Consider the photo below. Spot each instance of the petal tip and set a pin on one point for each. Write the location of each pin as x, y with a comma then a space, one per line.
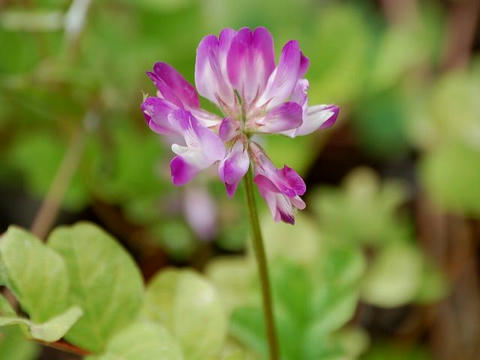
332, 119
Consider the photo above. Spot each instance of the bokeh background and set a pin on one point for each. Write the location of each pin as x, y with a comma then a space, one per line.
396, 180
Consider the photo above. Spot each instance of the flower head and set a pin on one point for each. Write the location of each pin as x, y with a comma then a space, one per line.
238, 73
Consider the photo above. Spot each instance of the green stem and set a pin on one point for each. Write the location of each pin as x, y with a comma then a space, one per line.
262, 266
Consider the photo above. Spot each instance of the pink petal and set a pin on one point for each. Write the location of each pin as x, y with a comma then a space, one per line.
235, 165
299, 94
210, 67
228, 129
291, 183
318, 117
285, 181
200, 211
156, 112
202, 146
285, 76
176, 82
182, 172
281, 206
164, 91
304, 64
250, 61
284, 117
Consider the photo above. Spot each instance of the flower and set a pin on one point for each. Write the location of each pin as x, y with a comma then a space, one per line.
237, 72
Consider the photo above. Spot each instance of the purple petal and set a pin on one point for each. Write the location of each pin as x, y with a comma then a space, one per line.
331, 120
304, 64
299, 94
318, 117
281, 206
164, 91
228, 129
267, 190
284, 117
206, 118
285, 181
156, 112
292, 184
250, 61
210, 67
200, 211
203, 147
298, 202
283, 79
183, 90
286, 217
182, 172
235, 165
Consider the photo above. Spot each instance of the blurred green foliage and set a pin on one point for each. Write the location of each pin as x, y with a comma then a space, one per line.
356, 244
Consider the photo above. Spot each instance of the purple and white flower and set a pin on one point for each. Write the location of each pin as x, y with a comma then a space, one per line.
237, 72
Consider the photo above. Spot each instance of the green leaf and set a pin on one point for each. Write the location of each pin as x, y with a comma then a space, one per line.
451, 174
454, 106
50, 331
394, 277
332, 308
339, 73
382, 351
232, 350
234, 278
382, 130
248, 326
278, 240
34, 273
190, 308
292, 290
105, 283
354, 341
13, 345
342, 266
433, 285
141, 341
364, 211
336, 291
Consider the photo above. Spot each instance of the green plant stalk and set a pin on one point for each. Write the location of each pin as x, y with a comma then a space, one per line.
261, 258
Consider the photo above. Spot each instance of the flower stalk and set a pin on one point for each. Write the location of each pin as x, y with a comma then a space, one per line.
261, 258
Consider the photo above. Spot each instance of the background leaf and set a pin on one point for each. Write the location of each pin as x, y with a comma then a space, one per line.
190, 308
51, 330
141, 341
13, 345
395, 276
105, 283
34, 273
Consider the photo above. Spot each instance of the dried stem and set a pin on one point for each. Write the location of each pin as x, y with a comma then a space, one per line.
65, 347
51, 204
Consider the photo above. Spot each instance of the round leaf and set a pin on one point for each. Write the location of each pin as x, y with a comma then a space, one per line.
394, 277
141, 341
34, 273
105, 283
190, 308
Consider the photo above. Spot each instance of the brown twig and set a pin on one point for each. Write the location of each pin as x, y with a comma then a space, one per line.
65, 347
461, 33
51, 204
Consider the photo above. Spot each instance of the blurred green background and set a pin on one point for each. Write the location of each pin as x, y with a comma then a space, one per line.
393, 188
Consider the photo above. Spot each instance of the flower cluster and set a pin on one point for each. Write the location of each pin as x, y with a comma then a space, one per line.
237, 72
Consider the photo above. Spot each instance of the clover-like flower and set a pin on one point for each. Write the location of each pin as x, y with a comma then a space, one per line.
237, 72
